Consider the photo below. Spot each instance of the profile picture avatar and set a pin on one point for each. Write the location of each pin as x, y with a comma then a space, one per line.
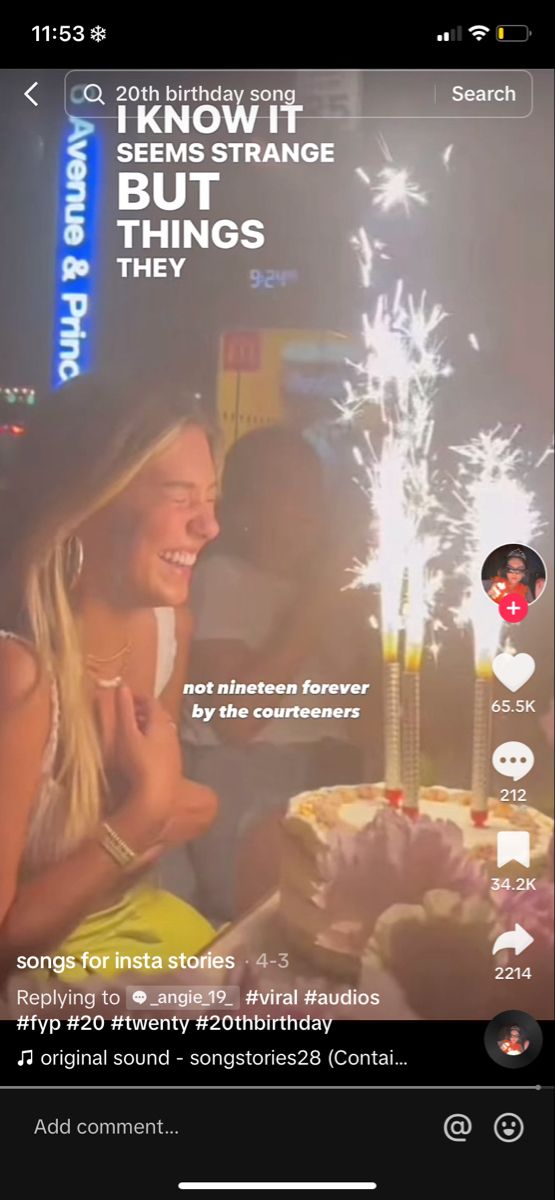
514, 570
513, 1041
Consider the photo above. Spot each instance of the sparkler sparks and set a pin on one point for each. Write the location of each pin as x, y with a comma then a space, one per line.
548, 450
367, 249
405, 504
423, 586
400, 372
496, 508
397, 190
384, 148
403, 355
403, 500
386, 563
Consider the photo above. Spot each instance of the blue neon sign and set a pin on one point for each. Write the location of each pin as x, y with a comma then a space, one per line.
76, 264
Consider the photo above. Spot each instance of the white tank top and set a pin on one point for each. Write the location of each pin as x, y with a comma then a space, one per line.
165, 659
166, 649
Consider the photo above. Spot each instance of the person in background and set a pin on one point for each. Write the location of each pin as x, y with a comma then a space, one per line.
267, 606
112, 500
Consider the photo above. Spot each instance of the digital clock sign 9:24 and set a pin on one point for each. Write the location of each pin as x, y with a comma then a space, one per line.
61, 33
269, 280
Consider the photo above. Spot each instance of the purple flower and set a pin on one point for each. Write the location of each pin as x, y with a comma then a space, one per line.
440, 953
395, 860
533, 910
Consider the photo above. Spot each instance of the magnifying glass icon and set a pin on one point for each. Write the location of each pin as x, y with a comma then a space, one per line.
97, 90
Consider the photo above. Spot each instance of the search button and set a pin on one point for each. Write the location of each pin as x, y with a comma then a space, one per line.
89, 92
97, 97
483, 94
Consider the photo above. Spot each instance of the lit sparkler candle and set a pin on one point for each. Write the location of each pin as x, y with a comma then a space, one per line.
399, 374
392, 731
487, 628
384, 570
411, 737
423, 585
367, 574
497, 508
414, 639
389, 502
481, 746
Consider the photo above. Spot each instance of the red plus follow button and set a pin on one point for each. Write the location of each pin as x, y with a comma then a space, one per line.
513, 608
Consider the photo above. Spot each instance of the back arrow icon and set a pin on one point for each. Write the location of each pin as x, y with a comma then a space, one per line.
516, 939
28, 95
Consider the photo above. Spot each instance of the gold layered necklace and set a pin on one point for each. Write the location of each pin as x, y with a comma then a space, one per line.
96, 666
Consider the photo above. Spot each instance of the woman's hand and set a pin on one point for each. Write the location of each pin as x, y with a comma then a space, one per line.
142, 751
160, 808
194, 810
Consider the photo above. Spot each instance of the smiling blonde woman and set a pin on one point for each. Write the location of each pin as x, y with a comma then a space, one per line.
112, 500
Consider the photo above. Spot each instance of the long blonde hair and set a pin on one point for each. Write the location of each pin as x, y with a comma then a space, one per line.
86, 444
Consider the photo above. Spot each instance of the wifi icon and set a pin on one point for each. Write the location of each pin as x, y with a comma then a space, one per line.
478, 31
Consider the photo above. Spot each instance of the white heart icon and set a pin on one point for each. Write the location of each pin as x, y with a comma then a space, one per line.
513, 670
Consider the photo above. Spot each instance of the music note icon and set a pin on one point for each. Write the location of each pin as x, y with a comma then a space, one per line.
26, 1058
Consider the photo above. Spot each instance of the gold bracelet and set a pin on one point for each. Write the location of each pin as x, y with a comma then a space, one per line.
115, 845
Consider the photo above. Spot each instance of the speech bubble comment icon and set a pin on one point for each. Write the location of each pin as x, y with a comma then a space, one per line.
513, 759
139, 997
513, 846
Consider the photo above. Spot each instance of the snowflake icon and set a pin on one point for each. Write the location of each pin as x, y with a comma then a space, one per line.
98, 33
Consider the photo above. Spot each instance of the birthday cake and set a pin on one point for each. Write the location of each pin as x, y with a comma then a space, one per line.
348, 857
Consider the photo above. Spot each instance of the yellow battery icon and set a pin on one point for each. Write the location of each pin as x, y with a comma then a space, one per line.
512, 33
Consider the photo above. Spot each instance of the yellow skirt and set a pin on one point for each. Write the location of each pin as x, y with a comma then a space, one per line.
147, 923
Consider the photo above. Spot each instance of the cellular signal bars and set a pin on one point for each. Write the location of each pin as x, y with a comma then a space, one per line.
452, 35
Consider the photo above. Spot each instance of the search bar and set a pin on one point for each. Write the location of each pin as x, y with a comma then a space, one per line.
381, 95
278, 1187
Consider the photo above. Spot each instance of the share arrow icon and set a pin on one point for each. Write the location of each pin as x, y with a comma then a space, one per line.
516, 939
